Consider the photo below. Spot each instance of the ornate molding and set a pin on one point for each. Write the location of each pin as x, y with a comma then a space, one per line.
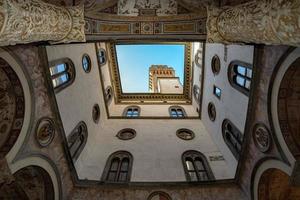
266, 21
121, 97
33, 20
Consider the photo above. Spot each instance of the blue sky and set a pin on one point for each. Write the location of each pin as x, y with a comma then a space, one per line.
134, 62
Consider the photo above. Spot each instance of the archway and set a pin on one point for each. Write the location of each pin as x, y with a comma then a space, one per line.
289, 107
31, 182
12, 107
274, 185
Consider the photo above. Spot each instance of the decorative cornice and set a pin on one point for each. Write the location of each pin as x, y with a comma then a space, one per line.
185, 98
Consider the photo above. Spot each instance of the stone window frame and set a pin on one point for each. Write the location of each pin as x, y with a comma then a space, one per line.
89, 63
102, 54
118, 155
197, 96
134, 109
164, 194
108, 93
96, 113
176, 108
214, 92
232, 137
79, 133
197, 57
69, 71
216, 64
122, 137
233, 73
192, 156
192, 134
212, 112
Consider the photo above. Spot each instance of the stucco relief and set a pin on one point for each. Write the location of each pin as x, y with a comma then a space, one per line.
140, 7
33, 20
267, 21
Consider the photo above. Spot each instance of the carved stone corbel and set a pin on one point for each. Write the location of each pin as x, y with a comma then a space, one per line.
34, 20
261, 21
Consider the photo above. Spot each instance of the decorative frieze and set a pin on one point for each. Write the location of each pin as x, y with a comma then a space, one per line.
260, 21
33, 20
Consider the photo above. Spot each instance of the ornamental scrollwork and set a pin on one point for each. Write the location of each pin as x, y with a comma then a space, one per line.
265, 21
33, 20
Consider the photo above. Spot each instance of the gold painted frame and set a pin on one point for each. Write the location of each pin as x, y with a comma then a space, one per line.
120, 97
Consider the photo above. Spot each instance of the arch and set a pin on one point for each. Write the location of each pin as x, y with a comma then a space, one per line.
77, 140
118, 167
196, 166
261, 178
24, 79
281, 69
46, 165
159, 195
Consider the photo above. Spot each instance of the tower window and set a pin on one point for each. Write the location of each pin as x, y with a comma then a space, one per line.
196, 166
62, 73
132, 112
177, 112
102, 57
118, 167
77, 140
232, 137
240, 76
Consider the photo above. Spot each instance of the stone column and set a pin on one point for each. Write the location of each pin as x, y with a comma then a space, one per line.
33, 20
261, 21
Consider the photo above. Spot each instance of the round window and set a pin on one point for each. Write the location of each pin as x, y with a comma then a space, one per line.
185, 134
126, 134
45, 131
96, 113
215, 64
86, 63
211, 111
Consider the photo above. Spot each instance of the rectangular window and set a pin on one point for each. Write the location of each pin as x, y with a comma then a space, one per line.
217, 92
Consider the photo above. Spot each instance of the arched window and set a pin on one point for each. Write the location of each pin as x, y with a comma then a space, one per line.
132, 111
177, 112
196, 166
196, 91
108, 93
232, 137
159, 195
240, 76
62, 73
77, 140
118, 167
102, 56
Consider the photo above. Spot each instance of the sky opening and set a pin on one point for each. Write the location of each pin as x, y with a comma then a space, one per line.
134, 61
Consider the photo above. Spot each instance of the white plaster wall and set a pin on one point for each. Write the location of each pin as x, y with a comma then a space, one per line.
197, 71
233, 104
156, 149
